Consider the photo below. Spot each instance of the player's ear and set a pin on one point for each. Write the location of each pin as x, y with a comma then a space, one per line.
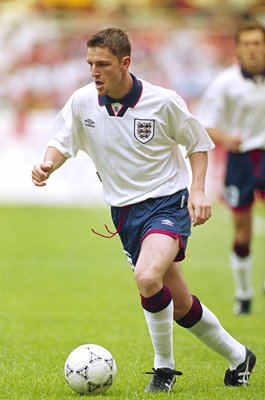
126, 61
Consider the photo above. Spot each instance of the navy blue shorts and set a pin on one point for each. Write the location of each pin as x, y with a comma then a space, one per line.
167, 215
245, 175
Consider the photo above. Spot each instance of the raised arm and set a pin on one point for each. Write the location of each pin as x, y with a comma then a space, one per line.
198, 205
53, 159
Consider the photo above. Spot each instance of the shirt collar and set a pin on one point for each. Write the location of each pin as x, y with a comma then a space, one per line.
129, 100
248, 75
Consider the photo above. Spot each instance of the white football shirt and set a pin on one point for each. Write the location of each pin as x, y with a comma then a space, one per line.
134, 143
235, 104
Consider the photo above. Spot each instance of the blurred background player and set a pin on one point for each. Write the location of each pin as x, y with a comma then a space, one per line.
233, 111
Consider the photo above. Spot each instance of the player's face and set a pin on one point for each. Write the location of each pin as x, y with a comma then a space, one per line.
251, 50
108, 72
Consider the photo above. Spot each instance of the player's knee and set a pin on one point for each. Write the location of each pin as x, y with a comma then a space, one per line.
148, 283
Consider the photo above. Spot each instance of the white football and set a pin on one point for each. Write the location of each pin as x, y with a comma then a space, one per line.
90, 369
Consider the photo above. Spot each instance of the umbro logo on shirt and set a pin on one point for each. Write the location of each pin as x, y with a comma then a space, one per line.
90, 123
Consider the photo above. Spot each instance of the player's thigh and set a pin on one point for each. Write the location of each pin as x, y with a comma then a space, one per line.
156, 256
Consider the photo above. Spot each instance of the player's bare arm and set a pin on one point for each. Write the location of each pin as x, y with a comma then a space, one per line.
198, 205
53, 160
230, 142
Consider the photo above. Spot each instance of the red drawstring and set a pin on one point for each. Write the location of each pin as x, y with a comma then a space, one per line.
105, 236
112, 234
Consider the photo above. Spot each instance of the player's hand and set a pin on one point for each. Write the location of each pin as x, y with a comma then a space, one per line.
199, 208
41, 173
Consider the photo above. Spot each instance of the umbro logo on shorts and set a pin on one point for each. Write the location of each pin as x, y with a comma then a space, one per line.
167, 222
90, 123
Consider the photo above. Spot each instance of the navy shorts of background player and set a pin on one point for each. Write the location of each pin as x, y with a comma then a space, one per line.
245, 175
167, 215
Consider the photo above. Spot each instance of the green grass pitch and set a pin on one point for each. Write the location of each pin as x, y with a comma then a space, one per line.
62, 286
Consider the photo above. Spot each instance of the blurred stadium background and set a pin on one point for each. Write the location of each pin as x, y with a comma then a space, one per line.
179, 44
